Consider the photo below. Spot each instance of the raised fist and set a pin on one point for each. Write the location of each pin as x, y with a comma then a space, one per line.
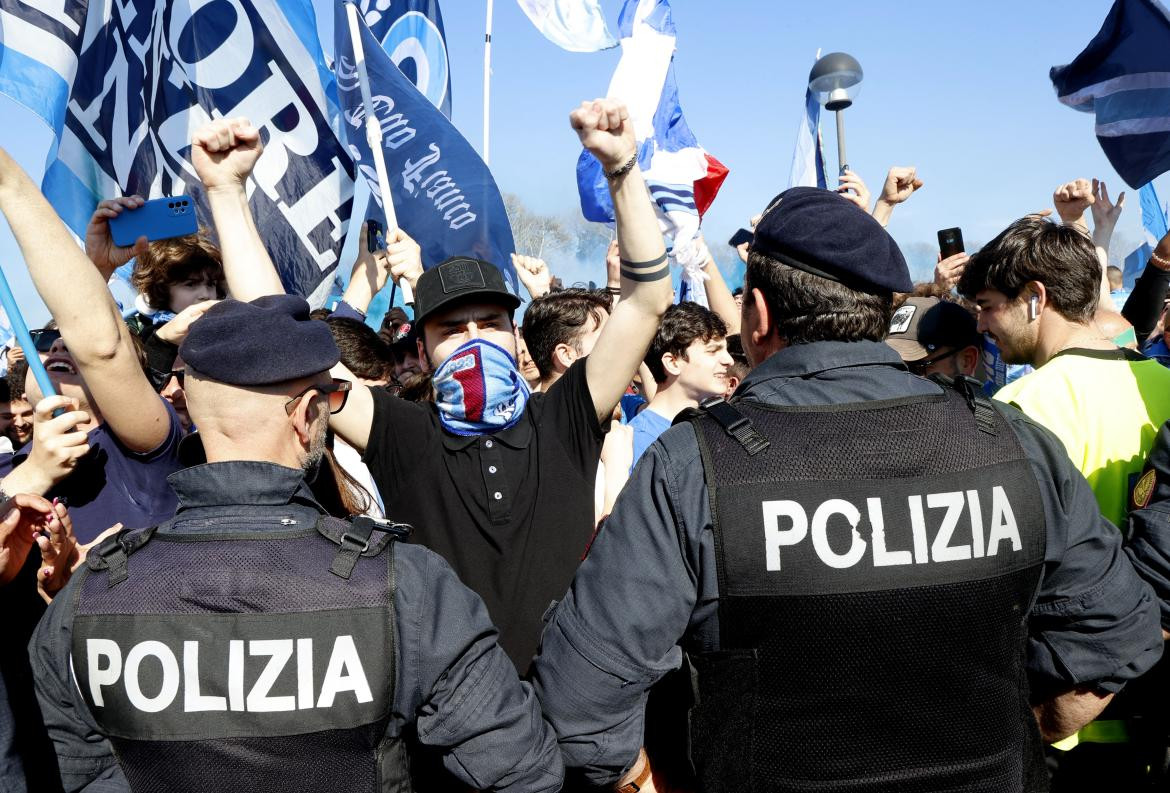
1072, 199
901, 182
605, 129
533, 273
225, 151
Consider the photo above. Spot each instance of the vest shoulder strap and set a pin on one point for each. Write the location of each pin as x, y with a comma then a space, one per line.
734, 423
972, 391
356, 539
113, 553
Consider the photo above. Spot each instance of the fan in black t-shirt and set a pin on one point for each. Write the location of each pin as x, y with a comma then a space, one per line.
498, 481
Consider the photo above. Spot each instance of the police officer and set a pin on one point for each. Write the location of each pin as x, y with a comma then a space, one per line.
253, 643
879, 582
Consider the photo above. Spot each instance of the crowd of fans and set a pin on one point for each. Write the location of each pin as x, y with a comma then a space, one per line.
580, 390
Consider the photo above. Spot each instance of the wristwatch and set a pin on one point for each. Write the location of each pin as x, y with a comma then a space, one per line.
639, 782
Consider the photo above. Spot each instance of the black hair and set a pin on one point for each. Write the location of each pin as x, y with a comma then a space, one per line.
1035, 249
682, 325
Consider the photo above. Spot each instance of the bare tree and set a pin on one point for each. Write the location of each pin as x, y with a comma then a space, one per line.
535, 234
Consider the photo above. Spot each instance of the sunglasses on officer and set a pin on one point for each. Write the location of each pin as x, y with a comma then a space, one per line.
336, 392
44, 338
919, 367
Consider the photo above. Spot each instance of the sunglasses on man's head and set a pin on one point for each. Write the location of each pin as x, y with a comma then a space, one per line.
337, 393
43, 338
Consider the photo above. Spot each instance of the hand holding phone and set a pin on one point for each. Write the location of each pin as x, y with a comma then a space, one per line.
950, 242
157, 219
740, 237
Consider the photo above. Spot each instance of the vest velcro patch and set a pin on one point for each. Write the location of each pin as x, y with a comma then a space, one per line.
853, 536
205, 676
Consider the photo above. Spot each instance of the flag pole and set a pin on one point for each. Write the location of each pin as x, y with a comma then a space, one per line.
24, 339
487, 86
374, 136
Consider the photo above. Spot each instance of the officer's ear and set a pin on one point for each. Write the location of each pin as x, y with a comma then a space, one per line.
304, 413
969, 360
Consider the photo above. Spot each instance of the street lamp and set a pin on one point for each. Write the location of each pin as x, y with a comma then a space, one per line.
835, 79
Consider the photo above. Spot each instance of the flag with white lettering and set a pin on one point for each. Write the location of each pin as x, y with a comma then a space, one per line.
444, 195
683, 177
122, 86
411, 31
1123, 77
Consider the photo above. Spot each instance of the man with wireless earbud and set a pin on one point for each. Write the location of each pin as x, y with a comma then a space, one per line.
1037, 287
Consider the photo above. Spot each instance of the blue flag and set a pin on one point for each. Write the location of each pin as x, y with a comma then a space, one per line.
123, 85
1123, 77
1154, 225
444, 195
808, 157
411, 31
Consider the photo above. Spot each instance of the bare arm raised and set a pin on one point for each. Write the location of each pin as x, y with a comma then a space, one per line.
90, 322
605, 129
224, 153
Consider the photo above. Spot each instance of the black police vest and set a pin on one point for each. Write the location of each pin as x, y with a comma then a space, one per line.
876, 566
249, 661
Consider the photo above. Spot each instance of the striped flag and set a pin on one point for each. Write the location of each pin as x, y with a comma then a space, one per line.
1123, 77
683, 177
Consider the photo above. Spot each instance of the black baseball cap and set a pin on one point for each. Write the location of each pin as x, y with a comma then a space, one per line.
460, 279
923, 325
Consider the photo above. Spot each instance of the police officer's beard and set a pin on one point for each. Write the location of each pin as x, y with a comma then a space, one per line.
316, 449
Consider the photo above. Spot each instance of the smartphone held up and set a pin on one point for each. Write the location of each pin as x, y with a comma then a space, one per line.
157, 219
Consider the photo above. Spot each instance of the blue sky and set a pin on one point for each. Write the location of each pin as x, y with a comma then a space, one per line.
959, 90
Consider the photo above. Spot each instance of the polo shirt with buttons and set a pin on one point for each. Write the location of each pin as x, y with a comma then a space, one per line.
512, 512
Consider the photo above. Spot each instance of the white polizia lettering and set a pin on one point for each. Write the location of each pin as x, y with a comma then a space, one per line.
271, 690
935, 524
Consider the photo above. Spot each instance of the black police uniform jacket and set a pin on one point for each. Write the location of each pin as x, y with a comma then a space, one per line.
259, 645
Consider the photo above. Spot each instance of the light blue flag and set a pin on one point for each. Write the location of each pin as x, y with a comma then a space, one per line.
574, 25
808, 156
411, 31
121, 86
1154, 226
444, 196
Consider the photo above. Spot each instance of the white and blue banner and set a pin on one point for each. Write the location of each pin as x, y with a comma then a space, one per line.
1154, 226
682, 176
808, 156
411, 32
574, 25
444, 195
123, 85
1123, 77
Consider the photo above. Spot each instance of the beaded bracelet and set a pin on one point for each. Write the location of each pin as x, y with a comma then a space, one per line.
625, 169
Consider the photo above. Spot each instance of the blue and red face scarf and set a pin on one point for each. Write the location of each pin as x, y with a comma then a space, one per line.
478, 389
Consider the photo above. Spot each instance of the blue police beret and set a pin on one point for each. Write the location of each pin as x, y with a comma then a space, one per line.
270, 340
825, 234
